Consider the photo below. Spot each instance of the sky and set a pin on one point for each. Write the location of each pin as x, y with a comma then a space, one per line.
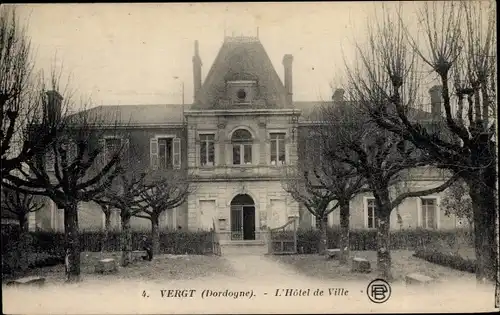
120, 54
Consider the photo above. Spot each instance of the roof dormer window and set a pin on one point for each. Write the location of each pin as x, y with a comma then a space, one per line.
242, 92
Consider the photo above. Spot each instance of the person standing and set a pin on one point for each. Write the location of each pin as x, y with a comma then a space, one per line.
148, 247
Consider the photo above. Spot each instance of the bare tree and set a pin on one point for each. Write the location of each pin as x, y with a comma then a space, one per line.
106, 208
75, 168
384, 161
126, 197
459, 47
316, 200
321, 181
20, 205
160, 195
21, 96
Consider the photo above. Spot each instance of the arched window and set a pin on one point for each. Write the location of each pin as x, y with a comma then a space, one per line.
242, 147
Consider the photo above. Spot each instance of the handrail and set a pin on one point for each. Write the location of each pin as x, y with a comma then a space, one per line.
282, 242
290, 221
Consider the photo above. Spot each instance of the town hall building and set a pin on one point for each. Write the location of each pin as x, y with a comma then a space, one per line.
233, 142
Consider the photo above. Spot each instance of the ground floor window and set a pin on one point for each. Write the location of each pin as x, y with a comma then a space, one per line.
429, 213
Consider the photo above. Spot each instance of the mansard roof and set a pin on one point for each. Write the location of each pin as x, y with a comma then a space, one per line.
242, 58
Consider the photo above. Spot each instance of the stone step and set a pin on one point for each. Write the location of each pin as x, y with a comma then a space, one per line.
243, 243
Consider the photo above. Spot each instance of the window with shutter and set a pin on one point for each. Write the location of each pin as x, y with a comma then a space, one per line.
73, 151
125, 151
49, 160
177, 153
370, 211
153, 153
102, 153
428, 215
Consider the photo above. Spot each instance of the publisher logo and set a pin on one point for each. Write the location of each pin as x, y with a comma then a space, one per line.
378, 291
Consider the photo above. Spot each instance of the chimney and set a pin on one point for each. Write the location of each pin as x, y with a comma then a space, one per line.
436, 99
52, 108
287, 64
338, 95
196, 71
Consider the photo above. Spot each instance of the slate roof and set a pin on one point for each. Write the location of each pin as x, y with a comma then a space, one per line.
164, 114
242, 58
140, 114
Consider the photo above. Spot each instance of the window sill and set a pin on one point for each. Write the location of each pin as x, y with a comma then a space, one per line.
277, 165
207, 167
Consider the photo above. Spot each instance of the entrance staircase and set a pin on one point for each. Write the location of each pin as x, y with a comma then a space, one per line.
257, 247
250, 247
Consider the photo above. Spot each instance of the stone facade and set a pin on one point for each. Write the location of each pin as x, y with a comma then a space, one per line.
238, 188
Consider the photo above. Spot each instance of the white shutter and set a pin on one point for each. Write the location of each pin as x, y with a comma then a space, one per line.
153, 153
101, 159
49, 160
73, 151
125, 143
177, 153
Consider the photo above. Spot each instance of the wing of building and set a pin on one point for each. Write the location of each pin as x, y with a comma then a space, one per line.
233, 142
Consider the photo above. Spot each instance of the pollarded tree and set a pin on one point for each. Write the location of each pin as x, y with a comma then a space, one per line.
161, 195
126, 197
106, 208
75, 168
320, 182
20, 205
385, 161
20, 97
316, 200
459, 47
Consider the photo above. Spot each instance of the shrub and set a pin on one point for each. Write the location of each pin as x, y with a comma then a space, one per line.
308, 239
446, 259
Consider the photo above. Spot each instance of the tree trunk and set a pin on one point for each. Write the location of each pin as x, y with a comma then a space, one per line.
383, 214
483, 203
23, 248
126, 240
482, 188
344, 232
107, 227
72, 246
323, 237
155, 234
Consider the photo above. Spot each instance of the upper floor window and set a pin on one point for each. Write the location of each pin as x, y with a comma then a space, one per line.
370, 211
278, 148
207, 150
429, 213
112, 146
242, 147
165, 152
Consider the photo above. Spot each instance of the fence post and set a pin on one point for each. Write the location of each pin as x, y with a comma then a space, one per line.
269, 241
295, 235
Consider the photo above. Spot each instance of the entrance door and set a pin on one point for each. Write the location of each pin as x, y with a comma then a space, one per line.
248, 223
242, 218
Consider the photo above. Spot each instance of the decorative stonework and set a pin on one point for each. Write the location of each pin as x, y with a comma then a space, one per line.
221, 125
